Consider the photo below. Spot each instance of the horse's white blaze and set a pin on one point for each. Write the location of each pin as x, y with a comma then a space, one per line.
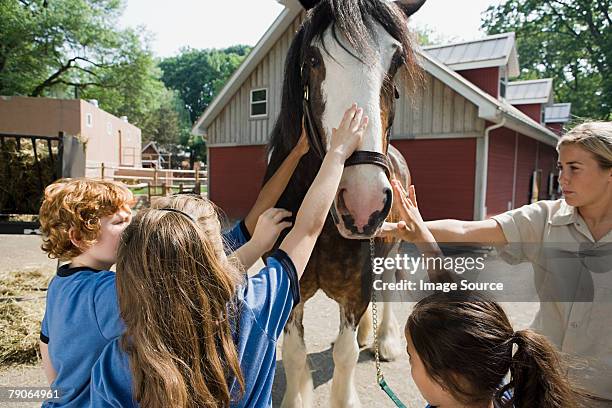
346, 354
299, 390
348, 81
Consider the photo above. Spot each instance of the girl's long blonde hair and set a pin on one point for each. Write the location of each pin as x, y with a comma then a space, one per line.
176, 295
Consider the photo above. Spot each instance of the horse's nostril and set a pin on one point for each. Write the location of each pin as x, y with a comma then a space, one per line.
388, 195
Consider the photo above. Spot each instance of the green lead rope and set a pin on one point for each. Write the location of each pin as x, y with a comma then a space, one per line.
385, 387
379, 375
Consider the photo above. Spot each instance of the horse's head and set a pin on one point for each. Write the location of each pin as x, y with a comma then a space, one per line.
349, 51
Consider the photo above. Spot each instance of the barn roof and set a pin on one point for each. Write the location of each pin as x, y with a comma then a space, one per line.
151, 144
492, 51
532, 91
558, 113
489, 108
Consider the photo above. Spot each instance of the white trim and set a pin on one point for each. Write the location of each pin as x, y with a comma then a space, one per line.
482, 154
251, 102
527, 101
271, 36
488, 63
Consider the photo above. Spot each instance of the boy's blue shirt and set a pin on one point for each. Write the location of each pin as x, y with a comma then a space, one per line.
82, 317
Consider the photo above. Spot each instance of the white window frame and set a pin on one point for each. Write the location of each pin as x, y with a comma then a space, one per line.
265, 101
503, 82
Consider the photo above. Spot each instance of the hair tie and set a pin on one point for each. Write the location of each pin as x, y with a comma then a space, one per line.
178, 212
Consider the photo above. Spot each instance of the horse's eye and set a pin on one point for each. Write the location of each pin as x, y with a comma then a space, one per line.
313, 61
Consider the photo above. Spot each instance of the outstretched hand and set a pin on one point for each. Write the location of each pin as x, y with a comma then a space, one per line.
411, 228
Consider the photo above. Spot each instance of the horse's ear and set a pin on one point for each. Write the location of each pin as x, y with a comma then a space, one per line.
308, 4
409, 7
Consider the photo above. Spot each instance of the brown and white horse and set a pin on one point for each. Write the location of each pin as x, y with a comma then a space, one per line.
345, 51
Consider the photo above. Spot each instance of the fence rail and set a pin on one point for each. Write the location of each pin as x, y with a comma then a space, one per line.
156, 181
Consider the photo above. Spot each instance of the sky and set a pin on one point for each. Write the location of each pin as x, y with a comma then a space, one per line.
198, 24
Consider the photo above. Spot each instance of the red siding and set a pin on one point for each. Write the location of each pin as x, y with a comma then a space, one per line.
526, 161
236, 174
443, 172
547, 162
486, 79
533, 110
556, 127
500, 174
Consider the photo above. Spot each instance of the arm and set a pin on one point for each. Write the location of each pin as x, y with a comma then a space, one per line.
482, 232
300, 241
269, 226
274, 187
46, 363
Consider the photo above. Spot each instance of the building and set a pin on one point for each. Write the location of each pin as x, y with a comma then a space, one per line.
107, 139
471, 152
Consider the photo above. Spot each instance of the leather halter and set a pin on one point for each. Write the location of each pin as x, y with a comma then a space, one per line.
358, 157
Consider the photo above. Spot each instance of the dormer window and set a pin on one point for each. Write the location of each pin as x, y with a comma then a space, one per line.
503, 82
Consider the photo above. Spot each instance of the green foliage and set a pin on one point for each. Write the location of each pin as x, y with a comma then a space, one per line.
198, 75
72, 48
568, 40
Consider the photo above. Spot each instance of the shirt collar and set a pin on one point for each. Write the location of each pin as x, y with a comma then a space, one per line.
565, 215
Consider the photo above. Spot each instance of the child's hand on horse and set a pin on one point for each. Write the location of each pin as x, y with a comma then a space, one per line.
411, 228
347, 137
302, 145
269, 226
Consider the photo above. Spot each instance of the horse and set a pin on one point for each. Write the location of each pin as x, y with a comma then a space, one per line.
345, 51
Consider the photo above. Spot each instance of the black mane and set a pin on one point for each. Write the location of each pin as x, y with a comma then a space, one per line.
354, 21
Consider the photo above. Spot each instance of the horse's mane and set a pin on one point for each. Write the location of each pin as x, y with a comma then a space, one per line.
353, 20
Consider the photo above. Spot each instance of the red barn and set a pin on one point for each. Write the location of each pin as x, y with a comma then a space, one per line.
471, 152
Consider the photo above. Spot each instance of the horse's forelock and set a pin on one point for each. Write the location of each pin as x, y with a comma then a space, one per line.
355, 21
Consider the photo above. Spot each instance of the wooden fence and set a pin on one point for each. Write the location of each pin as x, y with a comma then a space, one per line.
153, 182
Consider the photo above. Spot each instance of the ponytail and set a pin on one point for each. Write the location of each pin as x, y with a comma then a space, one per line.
537, 379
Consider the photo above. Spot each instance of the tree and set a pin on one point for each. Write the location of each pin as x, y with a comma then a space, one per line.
198, 75
169, 123
568, 40
72, 48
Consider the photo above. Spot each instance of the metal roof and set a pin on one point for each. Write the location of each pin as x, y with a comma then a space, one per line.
558, 113
532, 91
493, 51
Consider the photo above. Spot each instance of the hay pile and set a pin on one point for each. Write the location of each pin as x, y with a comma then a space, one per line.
22, 306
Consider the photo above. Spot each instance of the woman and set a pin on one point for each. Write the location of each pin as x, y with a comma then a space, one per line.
550, 234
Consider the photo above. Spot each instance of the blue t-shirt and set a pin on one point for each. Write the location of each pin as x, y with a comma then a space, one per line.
235, 237
265, 302
82, 317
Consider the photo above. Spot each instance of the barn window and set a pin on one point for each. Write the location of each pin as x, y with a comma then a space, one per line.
503, 82
89, 120
259, 102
